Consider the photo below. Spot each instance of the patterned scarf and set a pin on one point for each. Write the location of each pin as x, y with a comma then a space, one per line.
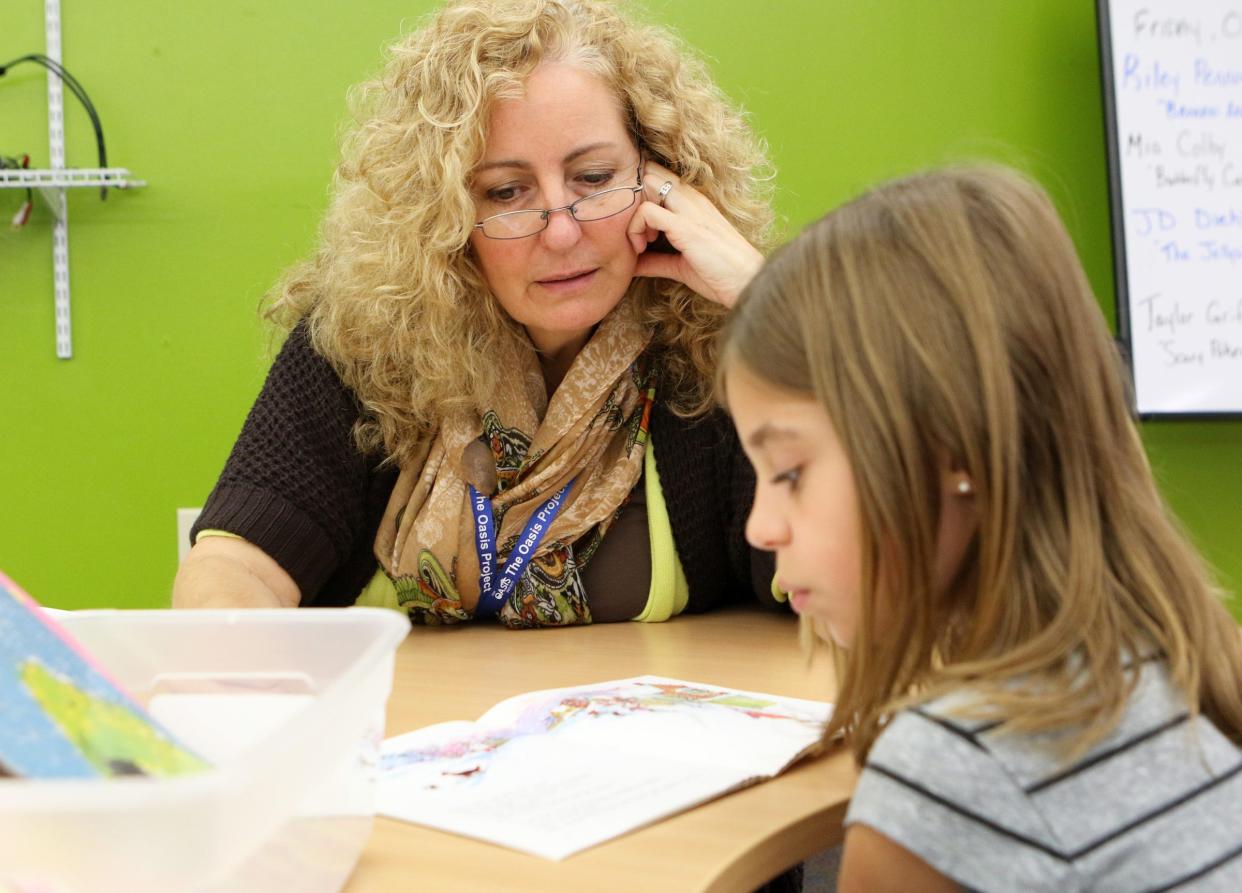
593, 432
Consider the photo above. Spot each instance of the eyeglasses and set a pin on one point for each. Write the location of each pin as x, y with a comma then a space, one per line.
596, 206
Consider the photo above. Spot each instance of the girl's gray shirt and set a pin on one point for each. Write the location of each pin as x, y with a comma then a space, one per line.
1157, 805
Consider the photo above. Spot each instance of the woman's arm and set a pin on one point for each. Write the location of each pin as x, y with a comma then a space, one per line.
224, 572
710, 478
295, 490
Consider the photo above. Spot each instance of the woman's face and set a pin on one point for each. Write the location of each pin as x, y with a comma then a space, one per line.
565, 138
806, 503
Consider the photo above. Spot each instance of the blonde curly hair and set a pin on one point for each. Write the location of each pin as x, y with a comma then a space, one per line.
394, 299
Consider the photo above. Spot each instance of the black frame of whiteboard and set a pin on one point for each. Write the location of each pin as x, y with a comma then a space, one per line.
1117, 222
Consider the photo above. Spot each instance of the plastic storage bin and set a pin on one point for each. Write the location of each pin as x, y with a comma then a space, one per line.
288, 706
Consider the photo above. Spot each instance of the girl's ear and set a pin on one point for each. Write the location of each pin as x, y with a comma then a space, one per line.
954, 479
957, 525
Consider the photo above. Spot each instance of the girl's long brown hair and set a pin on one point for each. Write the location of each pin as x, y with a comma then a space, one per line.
946, 318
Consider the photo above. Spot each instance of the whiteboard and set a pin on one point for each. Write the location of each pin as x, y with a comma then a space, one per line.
1173, 96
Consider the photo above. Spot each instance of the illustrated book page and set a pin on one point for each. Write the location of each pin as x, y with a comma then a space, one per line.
553, 772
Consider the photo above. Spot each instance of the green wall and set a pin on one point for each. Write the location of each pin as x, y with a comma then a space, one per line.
230, 111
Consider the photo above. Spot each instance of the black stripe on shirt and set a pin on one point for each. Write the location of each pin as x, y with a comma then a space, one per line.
966, 736
1206, 869
966, 813
989, 726
1106, 754
1158, 811
1038, 845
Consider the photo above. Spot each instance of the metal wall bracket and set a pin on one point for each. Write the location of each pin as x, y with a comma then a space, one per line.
52, 182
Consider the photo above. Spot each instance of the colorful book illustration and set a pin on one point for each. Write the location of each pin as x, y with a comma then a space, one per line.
554, 772
64, 717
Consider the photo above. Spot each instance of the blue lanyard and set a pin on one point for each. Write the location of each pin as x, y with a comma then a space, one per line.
493, 597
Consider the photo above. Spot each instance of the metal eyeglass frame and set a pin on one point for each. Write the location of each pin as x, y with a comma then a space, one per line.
546, 213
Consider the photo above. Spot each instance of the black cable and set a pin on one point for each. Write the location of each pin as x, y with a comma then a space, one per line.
75, 86
79, 91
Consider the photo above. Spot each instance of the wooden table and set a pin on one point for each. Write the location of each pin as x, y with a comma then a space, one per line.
735, 843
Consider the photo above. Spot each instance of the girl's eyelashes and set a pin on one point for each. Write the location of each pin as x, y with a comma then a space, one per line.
790, 477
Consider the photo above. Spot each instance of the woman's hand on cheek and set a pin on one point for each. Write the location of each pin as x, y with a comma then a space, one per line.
712, 258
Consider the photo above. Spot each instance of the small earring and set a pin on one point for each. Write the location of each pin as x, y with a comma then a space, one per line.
964, 487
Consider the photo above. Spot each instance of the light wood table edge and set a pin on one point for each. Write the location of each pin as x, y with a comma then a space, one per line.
800, 840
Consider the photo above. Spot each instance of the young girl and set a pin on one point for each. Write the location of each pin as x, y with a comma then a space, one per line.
1037, 676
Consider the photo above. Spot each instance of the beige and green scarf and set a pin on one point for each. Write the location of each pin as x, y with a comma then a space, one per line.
593, 431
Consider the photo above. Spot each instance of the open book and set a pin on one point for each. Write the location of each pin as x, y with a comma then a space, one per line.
554, 772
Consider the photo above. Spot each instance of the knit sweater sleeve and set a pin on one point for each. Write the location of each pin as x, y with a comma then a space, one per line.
708, 487
294, 484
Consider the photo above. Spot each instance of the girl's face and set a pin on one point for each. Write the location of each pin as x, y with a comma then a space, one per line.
806, 506
563, 139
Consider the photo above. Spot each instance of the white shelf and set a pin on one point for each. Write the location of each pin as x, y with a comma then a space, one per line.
68, 178
52, 183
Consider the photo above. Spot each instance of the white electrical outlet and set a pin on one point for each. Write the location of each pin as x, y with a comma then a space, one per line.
185, 520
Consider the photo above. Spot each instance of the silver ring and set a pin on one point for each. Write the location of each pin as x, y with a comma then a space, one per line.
663, 193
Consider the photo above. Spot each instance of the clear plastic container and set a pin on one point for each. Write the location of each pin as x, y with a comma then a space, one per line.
287, 705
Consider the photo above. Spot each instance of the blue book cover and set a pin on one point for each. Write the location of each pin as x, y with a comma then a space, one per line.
64, 717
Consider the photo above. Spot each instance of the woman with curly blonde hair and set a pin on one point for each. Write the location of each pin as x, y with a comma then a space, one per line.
494, 399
